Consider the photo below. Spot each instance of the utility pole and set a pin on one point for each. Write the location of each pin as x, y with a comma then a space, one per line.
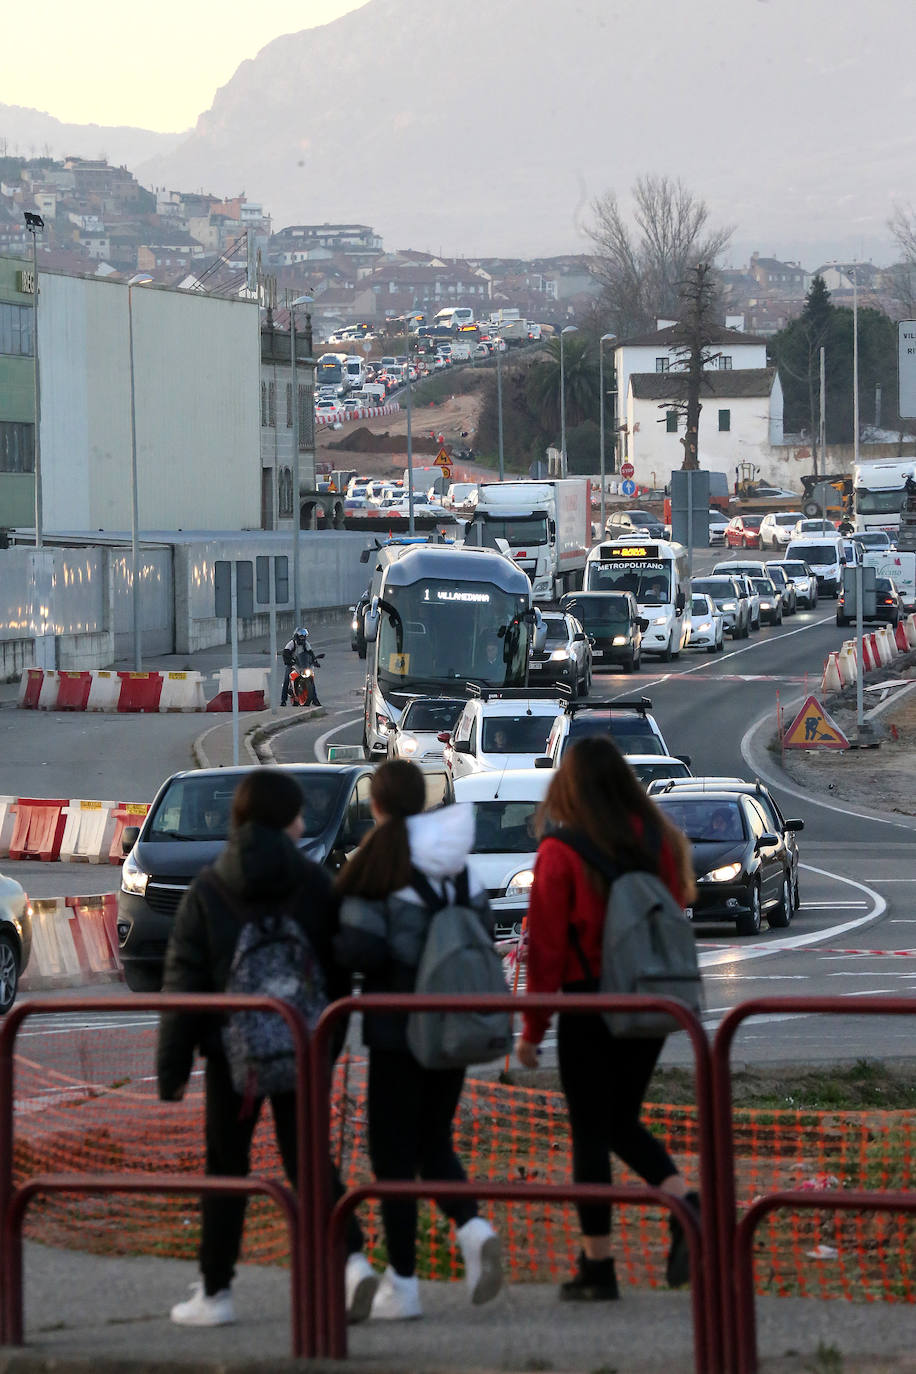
297, 500
499, 409
33, 224
411, 525
855, 365
601, 407
822, 427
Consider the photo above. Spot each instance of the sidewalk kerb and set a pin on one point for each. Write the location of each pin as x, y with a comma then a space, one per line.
254, 729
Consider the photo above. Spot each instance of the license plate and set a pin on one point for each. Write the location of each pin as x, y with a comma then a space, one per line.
597, 653
535, 665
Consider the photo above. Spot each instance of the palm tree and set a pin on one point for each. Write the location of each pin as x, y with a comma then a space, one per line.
581, 374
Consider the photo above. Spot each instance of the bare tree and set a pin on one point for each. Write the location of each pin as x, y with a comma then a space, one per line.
902, 225
696, 333
641, 272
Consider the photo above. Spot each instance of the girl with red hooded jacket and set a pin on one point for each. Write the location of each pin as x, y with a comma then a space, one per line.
595, 795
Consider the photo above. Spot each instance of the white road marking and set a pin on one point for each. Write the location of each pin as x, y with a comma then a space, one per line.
321, 752
733, 653
737, 955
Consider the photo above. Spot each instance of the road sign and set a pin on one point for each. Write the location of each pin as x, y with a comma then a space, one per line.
443, 458
812, 728
628, 488
906, 368
446, 473
627, 470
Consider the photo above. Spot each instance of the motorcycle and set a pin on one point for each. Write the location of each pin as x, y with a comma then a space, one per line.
303, 686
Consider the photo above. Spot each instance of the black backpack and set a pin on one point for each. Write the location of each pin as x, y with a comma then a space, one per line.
647, 946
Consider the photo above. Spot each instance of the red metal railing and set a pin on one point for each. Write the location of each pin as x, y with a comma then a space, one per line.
835, 1200
738, 1348
328, 1222
13, 1201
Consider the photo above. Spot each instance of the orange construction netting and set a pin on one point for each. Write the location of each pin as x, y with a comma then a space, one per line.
87, 1100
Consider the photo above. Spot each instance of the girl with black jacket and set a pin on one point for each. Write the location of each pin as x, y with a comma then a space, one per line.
595, 795
383, 924
259, 870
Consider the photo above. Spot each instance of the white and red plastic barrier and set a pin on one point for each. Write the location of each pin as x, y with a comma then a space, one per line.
44, 689
74, 942
66, 829
339, 417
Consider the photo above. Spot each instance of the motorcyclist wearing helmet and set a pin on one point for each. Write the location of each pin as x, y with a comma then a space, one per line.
298, 650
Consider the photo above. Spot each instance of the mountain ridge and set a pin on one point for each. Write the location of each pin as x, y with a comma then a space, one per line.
27, 132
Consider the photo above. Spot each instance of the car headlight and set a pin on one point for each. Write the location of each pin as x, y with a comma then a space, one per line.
559, 654
133, 877
724, 874
407, 744
729, 605
766, 605
520, 885
704, 628
622, 639
660, 620
354, 624
382, 723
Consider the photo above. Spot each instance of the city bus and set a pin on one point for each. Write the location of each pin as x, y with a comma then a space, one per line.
454, 317
331, 370
439, 617
657, 573
878, 489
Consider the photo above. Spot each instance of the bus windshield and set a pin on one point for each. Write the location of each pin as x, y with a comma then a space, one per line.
433, 634
648, 579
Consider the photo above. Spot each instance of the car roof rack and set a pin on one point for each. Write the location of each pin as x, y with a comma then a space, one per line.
559, 692
642, 705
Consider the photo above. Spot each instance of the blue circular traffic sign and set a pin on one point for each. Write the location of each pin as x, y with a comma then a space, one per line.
628, 487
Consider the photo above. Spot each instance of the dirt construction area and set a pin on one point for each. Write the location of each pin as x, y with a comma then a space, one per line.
883, 777
454, 418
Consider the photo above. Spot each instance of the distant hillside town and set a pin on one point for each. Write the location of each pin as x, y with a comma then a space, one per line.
99, 220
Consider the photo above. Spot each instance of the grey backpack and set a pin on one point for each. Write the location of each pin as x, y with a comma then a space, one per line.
458, 956
648, 946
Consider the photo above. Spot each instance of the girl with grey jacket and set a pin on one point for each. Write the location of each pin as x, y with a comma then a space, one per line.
383, 925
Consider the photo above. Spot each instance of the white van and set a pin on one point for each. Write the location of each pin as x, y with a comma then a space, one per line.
826, 559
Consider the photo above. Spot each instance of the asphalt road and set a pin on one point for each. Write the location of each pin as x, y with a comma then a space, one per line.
854, 934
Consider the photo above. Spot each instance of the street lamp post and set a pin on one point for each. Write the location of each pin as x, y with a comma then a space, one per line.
139, 280
411, 525
33, 224
605, 338
570, 329
297, 498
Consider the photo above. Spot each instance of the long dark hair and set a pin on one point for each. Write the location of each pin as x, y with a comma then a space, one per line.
381, 864
596, 793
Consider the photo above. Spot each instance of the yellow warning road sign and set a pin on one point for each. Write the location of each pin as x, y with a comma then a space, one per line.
446, 473
442, 458
812, 728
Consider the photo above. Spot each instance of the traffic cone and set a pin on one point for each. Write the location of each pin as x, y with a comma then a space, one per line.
831, 680
900, 637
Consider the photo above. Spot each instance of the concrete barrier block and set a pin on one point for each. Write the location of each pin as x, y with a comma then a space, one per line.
54, 954
30, 688
6, 823
88, 831
104, 692
47, 696
182, 692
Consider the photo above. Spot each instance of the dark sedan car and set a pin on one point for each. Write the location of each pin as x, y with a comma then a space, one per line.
15, 938
742, 865
785, 586
888, 605
357, 627
613, 625
770, 600
186, 828
632, 524
566, 656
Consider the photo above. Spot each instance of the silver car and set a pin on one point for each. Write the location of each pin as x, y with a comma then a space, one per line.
418, 735
15, 938
803, 580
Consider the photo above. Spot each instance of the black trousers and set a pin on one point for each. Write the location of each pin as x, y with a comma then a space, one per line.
411, 1110
605, 1081
228, 1138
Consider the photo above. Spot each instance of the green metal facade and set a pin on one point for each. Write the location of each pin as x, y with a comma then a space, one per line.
17, 403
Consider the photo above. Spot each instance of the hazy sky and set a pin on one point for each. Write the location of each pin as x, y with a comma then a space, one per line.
159, 71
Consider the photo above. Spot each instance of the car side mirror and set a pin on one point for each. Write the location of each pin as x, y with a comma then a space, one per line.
370, 621
129, 836
579, 638
684, 758
643, 624
545, 761
766, 841
681, 600
794, 826
443, 737
462, 746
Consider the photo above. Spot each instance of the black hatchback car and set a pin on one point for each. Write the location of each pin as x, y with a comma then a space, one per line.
566, 656
187, 826
742, 865
613, 625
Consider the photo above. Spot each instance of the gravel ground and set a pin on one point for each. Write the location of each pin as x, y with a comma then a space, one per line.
883, 777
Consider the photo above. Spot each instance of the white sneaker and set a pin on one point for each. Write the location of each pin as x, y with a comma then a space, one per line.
483, 1270
397, 1299
360, 1283
201, 1310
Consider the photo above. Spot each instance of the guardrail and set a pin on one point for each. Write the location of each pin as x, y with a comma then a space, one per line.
14, 1201
331, 1337
736, 1298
